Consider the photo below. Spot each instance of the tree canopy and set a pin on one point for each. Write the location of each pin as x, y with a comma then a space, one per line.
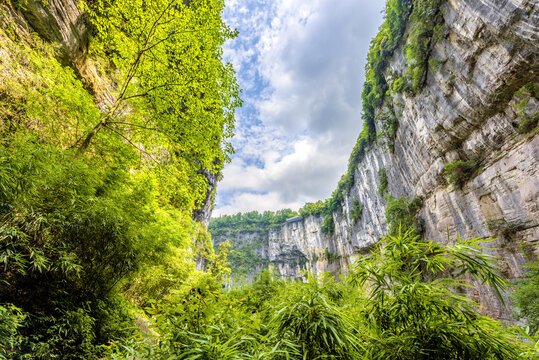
175, 95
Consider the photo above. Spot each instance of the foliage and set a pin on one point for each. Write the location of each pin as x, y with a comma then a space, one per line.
434, 64
416, 204
82, 235
402, 215
310, 318
98, 247
528, 123
11, 319
82, 228
382, 47
528, 120
313, 209
330, 256
162, 48
357, 211
390, 124
400, 85
458, 172
426, 20
328, 225
243, 259
51, 227
414, 310
503, 228
38, 93
261, 291
382, 186
525, 297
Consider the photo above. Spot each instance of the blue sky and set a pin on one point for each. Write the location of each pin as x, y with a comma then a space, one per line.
301, 66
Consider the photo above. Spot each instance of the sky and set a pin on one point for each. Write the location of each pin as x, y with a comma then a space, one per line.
301, 65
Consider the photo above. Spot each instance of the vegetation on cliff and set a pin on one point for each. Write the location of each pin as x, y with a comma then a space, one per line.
526, 295
96, 199
97, 243
252, 226
414, 26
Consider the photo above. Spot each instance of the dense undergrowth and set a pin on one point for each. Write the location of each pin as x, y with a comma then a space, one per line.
408, 310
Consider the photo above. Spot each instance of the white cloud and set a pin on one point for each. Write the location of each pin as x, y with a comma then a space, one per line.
304, 175
301, 65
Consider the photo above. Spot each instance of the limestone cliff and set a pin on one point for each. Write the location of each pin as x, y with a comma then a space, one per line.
469, 108
56, 21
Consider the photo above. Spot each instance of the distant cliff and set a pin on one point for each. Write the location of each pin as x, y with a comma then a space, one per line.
464, 142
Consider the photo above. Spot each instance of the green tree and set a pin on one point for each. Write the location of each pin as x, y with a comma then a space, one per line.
403, 214
177, 95
458, 172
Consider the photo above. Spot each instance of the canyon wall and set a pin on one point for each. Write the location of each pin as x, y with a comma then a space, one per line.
469, 108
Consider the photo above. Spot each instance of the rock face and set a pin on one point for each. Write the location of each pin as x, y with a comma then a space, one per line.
466, 110
60, 22
203, 214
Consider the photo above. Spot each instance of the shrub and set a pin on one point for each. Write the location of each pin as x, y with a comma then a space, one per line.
357, 211
390, 124
525, 297
310, 318
401, 215
328, 226
416, 204
382, 186
435, 64
331, 257
503, 228
11, 319
400, 85
458, 172
426, 20
528, 121
410, 317
243, 260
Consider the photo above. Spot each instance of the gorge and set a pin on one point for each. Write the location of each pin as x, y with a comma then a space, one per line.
468, 110
116, 126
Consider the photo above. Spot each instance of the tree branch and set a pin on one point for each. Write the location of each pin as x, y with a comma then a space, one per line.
130, 142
